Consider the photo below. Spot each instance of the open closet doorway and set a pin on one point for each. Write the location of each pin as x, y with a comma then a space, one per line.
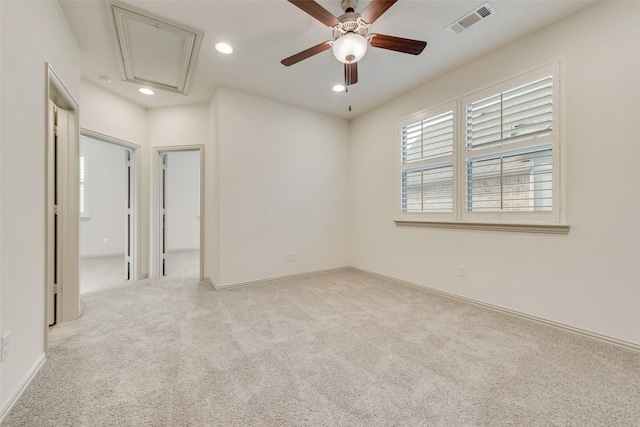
108, 211
61, 225
178, 215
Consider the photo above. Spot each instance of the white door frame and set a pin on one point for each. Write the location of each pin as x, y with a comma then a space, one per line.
134, 243
156, 255
68, 289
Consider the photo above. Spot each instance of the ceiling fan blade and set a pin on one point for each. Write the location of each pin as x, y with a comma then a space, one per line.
294, 59
414, 47
375, 9
316, 11
350, 74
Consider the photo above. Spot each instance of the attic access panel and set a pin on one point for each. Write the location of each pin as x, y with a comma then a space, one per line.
151, 50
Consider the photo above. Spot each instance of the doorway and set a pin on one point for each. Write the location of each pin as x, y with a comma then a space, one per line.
178, 212
108, 211
61, 289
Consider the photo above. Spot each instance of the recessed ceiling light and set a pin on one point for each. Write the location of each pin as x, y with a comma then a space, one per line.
104, 79
224, 48
146, 91
339, 88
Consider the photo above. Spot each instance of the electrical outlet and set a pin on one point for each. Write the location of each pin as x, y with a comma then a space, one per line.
293, 256
5, 347
462, 270
289, 256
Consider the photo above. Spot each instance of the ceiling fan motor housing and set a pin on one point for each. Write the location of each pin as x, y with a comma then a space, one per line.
350, 22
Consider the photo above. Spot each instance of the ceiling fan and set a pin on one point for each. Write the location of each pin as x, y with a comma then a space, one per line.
350, 38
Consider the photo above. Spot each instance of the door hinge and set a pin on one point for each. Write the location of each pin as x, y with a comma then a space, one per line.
57, 288
57, 210
55, 130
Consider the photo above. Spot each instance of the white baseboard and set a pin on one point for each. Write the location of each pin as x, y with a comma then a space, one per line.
210, 282
25, 383
113, 255
173, 251
583, 332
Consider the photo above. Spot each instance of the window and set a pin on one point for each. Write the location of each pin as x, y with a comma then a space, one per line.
84, 206
427, 162
504, 169
516, 181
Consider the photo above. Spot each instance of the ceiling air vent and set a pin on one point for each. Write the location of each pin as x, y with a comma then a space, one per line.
471, 18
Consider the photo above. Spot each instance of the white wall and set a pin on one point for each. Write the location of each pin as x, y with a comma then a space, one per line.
582, 279
33, 33
181, 125
283, 187
106, 195
183, 193
111, 115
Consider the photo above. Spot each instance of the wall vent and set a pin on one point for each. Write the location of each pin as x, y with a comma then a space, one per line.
471, 18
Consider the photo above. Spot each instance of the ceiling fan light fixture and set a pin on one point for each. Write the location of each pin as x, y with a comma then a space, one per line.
350, 48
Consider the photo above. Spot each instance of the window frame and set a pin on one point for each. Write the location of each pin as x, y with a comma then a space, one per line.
427, 164
553, 140
553, 221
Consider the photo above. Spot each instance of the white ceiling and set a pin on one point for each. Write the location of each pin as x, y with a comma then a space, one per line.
263, 32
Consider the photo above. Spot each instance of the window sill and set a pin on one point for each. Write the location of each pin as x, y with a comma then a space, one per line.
513, 227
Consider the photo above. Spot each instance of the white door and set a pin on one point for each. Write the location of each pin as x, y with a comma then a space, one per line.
51, 214
58, 135
129, 217
163, 214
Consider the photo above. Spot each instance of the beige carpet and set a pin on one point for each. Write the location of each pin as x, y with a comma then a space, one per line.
99, 273
336, 349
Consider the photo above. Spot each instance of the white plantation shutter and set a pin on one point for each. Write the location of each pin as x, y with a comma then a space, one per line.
428, 189
427, 161
511, 182
511, 144
519, 114
490, 157
429, 138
